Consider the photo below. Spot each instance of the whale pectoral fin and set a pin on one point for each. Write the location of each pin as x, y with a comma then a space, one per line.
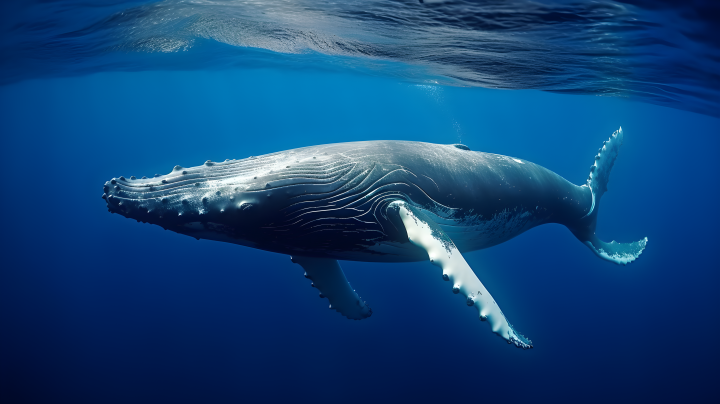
329, 279
426, 234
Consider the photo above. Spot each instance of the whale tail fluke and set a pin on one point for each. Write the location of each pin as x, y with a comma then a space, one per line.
619, 253
604, 161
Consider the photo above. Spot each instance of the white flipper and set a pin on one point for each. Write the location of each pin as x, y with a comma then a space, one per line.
329, 278
426, 234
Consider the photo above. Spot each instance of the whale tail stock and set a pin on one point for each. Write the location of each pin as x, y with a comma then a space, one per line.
619, 253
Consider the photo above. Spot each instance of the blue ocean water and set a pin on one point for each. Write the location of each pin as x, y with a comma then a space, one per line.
96, 308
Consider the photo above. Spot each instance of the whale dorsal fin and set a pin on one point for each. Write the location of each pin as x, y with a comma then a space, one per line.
460, 146
329, 279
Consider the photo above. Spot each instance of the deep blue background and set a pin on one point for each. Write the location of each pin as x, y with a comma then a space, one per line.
96, 308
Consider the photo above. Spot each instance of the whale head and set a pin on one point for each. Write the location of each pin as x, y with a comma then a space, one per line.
263, 202
214, 201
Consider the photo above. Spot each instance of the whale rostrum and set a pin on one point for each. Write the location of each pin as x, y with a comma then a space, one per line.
376, 201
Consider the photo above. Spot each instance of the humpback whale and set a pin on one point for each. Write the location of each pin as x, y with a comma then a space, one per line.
376, 201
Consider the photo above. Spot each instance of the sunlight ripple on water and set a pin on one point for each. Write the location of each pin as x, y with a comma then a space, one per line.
663, 54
